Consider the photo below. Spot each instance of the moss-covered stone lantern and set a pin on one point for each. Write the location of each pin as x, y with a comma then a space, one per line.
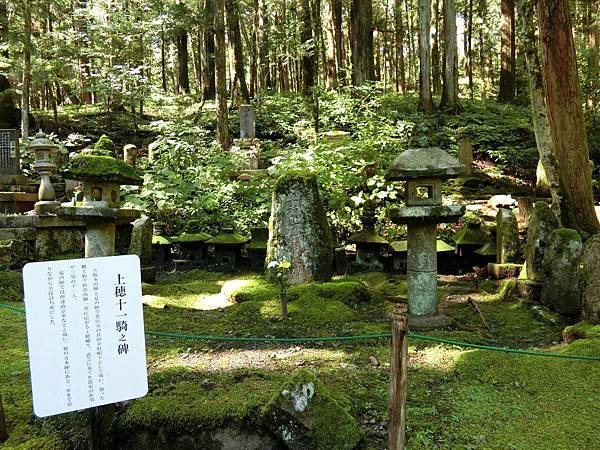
369, 245
102, 175
225, 250
161, 247
424, 169
257, 248
193, 248
44, 149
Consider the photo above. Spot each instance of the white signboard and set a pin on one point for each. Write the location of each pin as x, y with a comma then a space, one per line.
85, 332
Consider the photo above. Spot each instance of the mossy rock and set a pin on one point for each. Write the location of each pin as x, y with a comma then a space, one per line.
104, 147
581, 330
542, 223
192, 237
299, 230
241, 409
304, 414
104, 169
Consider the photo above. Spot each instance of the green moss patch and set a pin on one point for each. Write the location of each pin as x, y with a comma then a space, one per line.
581, 330
101, 169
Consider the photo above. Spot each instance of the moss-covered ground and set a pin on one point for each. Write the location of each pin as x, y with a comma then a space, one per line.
457, 398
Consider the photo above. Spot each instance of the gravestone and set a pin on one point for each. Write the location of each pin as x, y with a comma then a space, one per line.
541, 224
141, 245
298, 229
561, 287
9, 152
591, 280
508, 244
247, 122
465, 155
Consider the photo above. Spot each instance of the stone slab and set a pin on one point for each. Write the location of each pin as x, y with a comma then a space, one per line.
427, 214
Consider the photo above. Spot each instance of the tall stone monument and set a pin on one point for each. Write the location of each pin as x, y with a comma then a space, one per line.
298, 229
423, 169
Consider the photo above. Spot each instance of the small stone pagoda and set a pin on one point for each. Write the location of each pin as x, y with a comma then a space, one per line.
424, 169
369, 245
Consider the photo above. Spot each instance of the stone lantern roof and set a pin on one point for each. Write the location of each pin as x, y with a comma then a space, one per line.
402, 247
228, 238
100, 168
200, 236
470, 234
432, 162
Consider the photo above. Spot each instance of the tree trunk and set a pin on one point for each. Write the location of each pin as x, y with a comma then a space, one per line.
450, 90
361, 26
183, 74
26, 69
484, 58
331, 69
308, 49
221, 70
565, 116
593, 62
506, 91
84, 63
253, 48
537, 94
469, 52
336, 17
436, 71
411, 47
399, 42
233, 21
4, 28
264, 80
425, 100
209, 88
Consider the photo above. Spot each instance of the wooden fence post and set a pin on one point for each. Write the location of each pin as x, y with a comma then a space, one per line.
3, 430
398, 366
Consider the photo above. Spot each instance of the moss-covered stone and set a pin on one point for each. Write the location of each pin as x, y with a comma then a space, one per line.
192, 237
104, 147
561, 286
508, 244
161, 240
86, 167
304, 415
367, 237
541, 224
228, 237
590, 280
299, 230
470, 234
581, 330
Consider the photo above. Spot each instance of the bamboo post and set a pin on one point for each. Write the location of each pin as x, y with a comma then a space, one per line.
3, 430
398, 366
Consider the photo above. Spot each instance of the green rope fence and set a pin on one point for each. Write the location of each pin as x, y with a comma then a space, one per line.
364, 337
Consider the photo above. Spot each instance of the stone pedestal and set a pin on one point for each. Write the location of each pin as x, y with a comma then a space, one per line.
100, 240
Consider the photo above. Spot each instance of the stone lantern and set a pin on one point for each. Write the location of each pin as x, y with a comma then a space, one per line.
102, 176
369, 245
257, 248
44, 149
423, 169
225, 250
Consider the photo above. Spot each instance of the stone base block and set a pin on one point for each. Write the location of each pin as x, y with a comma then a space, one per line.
148, 274
430, 322
43, 208
506, 270
530, 291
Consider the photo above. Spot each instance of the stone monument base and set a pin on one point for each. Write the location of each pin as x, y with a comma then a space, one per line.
17, 202
429, 322
46, 207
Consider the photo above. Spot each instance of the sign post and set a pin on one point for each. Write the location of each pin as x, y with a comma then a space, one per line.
3, 430
85, 333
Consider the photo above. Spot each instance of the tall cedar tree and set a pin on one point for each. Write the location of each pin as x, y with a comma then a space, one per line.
506, 92
565, 115
221, 67
361, 25
425, 100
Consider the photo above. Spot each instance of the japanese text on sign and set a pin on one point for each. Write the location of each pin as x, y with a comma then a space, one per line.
86, 333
